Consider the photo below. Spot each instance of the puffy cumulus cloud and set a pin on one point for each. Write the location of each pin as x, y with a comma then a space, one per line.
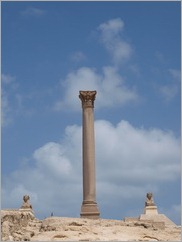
111, 28
137, 155
83, 79
130, 161
51, 157
47, 192
113, 41
109, 83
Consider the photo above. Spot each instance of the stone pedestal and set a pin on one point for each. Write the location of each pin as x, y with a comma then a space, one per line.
151, 214
150, 210
89, 207
26, 210
157, 218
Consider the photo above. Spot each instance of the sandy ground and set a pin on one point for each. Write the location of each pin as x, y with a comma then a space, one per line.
79, 229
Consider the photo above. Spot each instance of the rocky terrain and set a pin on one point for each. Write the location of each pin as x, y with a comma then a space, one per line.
21, 225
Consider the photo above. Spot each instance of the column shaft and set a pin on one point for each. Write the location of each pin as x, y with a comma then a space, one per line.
88, 155
89, 207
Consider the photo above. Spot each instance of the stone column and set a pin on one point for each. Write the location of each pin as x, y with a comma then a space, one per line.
89, 207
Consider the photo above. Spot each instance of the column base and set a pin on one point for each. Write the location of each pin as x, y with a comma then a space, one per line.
89, 209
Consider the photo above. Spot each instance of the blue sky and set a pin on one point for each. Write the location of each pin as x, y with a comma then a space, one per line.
130, 53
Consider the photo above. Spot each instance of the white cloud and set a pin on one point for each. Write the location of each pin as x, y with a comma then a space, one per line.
112, 90
51, 157
119, 49
130, 161
32, 11
137, 155
110, 86
111, 27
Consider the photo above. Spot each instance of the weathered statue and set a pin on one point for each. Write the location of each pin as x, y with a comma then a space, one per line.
26, 203
149, 199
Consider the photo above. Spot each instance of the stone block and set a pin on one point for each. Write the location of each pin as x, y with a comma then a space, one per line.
131, 219
157, 218
158, 225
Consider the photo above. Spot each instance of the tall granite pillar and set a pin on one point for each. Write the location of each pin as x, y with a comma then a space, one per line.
89, 207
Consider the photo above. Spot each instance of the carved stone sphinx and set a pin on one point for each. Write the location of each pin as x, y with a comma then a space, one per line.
26, 204
149, 200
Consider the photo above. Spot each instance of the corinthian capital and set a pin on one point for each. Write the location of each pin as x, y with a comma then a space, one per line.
87, 98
